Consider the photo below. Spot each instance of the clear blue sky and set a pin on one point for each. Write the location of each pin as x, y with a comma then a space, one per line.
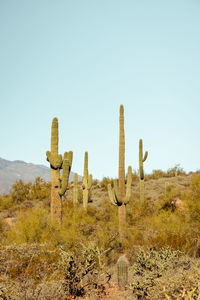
78, 60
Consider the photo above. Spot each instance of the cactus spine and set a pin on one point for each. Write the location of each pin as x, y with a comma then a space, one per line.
141, 170
87, 182
122, 271
59, 183
121, 193
75, 189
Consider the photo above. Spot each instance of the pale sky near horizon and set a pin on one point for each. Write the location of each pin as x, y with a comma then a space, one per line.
78, 60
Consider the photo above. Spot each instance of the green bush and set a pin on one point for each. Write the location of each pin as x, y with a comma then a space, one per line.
20, 191
40, 189
6, 202
30, 227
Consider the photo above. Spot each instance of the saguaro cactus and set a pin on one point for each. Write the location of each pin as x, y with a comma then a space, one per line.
87, 182
121, 193
122, 271
141, 170
75, 189
59, 183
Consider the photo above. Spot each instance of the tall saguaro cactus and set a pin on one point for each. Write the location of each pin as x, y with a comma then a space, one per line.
120, 194
141, 170
87, 182
59, 183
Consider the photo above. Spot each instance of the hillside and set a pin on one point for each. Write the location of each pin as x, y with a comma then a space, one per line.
40, 260
10, 171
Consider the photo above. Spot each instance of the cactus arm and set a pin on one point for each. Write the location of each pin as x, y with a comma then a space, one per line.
128, 186
90, 181
145, 156
55, 160
70, 158
65, 177
48, 154
87, 182
116, 188
65, 156
141, 170
112, 195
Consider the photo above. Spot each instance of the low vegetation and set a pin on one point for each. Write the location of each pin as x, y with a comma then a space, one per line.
78, 258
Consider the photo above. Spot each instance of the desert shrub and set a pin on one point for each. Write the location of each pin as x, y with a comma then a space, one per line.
20, 191
156, 174
95, 182
179, 281
6, 202
135, 176
29, 227
157, 224
191, 200
151, 265
40, 189
1, 226
168, 200
30, 271
34, 226
175, 171
81, 271
172, 172
104, 183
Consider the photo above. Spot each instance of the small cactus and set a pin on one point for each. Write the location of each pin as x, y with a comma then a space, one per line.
59, 183
87, 182
122, 272
141, 170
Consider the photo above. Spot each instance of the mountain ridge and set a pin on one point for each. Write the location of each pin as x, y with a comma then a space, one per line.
10, 171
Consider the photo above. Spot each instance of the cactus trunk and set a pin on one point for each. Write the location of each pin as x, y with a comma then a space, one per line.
122, 219
56, 201
58, 185
141, 183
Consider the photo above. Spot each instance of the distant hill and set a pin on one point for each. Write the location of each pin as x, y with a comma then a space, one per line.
10, 171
